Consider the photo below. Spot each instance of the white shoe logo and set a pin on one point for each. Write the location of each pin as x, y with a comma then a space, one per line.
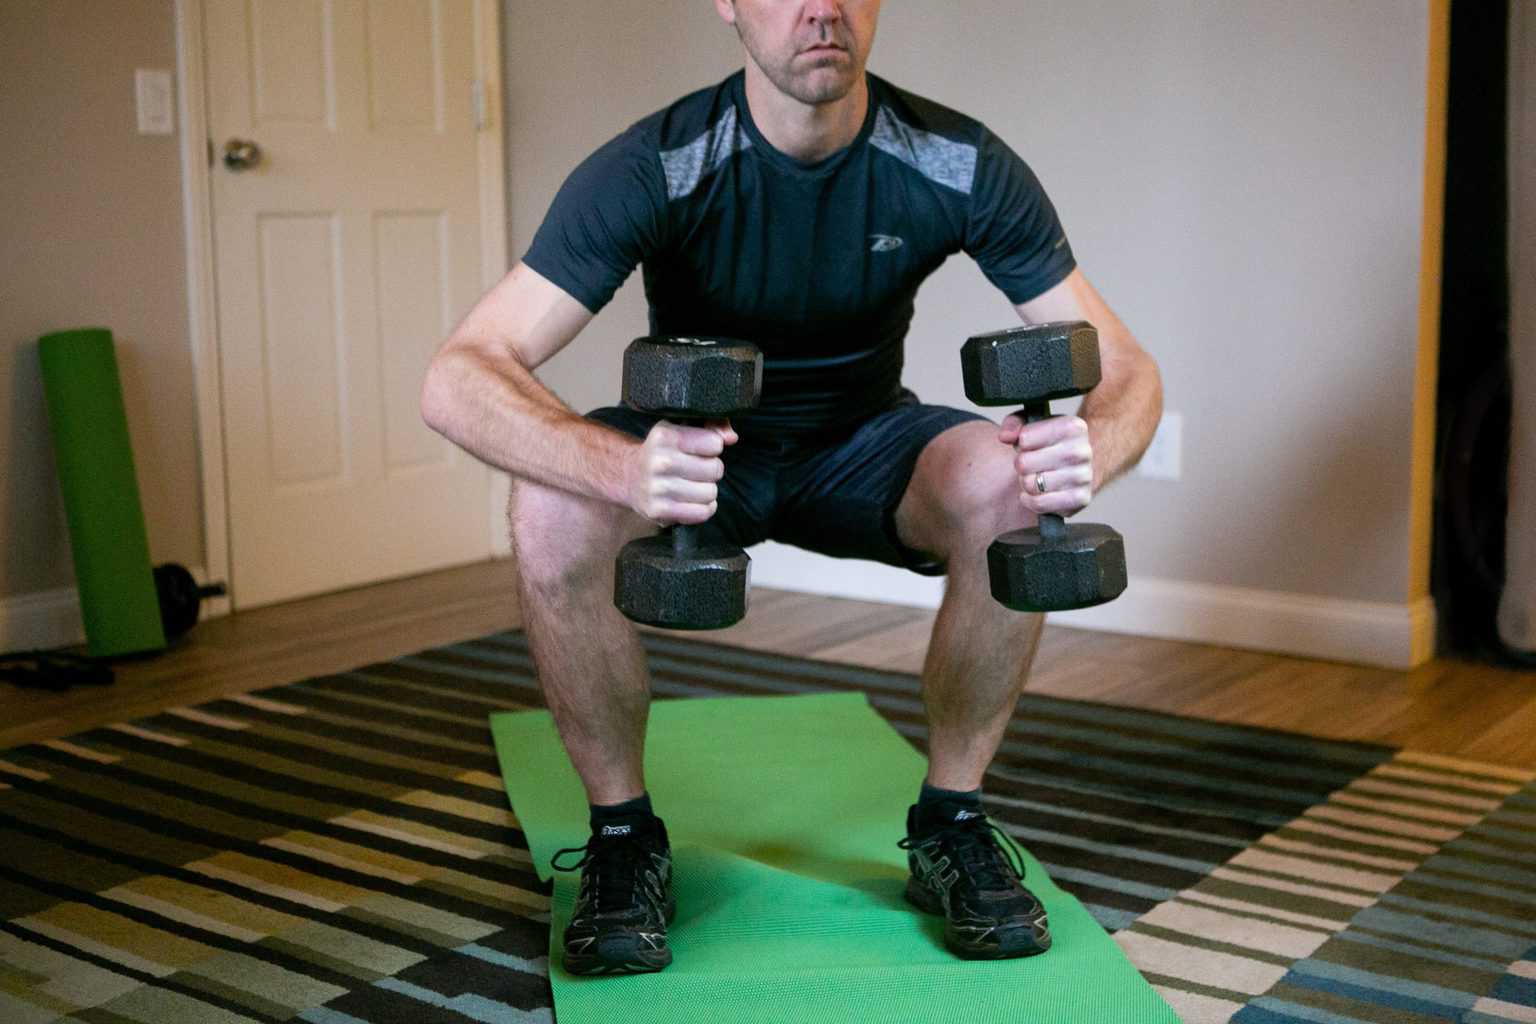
884, 243
965, 815
616, 830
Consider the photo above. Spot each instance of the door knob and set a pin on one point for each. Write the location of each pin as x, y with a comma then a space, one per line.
241, 154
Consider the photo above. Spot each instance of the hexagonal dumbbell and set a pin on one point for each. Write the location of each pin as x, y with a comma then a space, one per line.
1051, 567
676, 579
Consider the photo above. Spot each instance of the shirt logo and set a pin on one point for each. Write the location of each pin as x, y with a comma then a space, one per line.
884, 243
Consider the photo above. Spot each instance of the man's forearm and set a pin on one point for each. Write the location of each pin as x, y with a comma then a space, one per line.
1123, 410
497, 410
1122, 415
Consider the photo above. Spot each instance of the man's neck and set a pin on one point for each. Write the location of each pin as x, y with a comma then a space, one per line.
802, 131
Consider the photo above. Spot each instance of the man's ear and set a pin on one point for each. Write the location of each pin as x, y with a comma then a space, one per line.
727, 10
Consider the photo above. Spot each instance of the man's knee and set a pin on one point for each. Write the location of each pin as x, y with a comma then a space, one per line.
986, 501
963, 492
565, 540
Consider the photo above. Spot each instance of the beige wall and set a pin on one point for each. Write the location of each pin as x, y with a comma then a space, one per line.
90, 234
1242, 180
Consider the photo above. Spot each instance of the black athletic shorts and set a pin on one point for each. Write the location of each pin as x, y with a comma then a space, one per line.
837, 498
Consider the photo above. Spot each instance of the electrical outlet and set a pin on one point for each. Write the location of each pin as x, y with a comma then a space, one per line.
1163, 459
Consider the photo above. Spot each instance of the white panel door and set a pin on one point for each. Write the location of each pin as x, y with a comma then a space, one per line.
343, 256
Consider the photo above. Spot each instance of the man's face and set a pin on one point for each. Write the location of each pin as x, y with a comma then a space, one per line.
813, 50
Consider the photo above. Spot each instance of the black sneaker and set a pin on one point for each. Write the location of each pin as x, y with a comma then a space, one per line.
967, 870
619, 922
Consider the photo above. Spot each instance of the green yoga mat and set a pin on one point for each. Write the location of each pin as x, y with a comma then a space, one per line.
784, 814
101, 494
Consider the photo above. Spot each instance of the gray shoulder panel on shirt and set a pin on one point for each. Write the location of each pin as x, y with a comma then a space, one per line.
950, 163
686, 166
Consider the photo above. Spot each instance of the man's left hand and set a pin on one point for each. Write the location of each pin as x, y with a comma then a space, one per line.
1054, 461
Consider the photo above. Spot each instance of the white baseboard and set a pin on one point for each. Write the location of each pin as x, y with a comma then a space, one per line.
1396, 636
1373, 633
790, 568
51, 618
41, 620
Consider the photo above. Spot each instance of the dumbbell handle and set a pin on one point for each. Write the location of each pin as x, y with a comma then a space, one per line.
684, 538
1052, 526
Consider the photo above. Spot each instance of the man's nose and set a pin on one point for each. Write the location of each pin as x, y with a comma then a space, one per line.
823, 10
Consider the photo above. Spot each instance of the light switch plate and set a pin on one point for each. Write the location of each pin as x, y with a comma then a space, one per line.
152, 89
1164, 456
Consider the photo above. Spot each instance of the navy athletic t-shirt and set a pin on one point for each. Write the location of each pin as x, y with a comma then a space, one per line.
818, 264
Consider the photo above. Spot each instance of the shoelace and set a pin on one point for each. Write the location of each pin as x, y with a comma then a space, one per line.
980, 847
624, 865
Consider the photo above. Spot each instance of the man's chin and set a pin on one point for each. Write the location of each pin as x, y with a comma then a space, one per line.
826, 84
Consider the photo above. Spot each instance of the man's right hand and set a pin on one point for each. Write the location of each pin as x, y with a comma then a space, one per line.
675, 472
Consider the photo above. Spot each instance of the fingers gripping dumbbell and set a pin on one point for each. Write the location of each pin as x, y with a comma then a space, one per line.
677, 579
1051, 567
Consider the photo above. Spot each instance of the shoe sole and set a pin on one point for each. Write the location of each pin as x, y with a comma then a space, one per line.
644, 962
593, 966
1027, 938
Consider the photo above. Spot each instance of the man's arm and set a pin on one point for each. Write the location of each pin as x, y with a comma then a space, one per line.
1116, 420
481, 394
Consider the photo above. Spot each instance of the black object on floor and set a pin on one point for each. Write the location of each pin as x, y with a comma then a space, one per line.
53, 670
180, 598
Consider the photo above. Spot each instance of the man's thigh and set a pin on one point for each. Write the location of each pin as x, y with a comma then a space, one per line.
842, 501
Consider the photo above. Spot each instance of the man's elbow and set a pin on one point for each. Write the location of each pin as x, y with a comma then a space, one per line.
439, 396
1154, 379
1136, 367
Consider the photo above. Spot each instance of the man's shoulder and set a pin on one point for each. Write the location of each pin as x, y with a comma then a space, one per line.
925, 115
930, 139
653, 144
682, 121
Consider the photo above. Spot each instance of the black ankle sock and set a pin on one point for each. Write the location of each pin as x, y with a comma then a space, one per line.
634, 814
937, 806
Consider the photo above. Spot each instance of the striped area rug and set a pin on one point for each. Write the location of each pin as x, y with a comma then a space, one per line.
340, 851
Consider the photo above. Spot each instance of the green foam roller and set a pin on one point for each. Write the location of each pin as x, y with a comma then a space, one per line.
101, 494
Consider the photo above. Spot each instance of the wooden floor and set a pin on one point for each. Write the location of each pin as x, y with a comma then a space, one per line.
1447, 707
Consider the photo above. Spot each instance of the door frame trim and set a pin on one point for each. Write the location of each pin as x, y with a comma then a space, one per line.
202, 296
495, 228
202, 321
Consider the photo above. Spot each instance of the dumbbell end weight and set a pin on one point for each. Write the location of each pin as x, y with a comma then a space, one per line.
691, 380
677, 580
1052, 567
1031, 573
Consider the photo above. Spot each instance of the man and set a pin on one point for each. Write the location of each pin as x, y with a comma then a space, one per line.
798, 204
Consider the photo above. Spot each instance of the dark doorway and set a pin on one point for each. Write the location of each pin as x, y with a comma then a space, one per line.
1473, 416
